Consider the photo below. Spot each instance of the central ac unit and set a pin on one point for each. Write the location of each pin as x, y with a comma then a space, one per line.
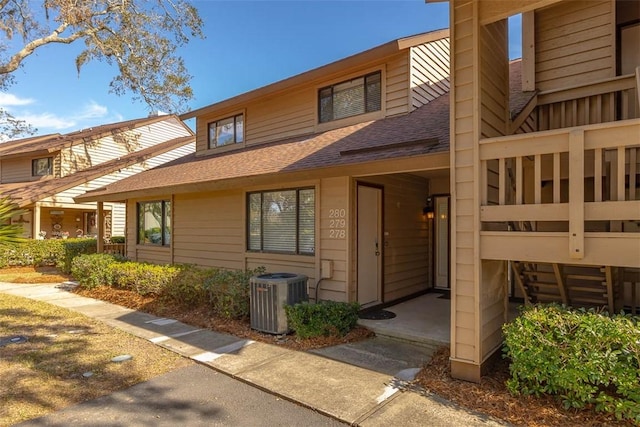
269, 294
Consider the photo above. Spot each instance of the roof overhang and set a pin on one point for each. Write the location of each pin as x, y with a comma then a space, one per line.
427, 162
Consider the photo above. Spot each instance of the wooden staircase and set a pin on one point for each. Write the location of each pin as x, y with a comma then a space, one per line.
578, 286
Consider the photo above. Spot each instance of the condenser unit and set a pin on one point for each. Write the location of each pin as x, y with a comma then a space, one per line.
269, 294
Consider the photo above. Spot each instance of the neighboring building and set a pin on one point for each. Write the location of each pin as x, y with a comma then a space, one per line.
43, 174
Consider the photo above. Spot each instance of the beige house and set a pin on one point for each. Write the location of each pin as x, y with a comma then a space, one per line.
385, 175
326, 174
43, 174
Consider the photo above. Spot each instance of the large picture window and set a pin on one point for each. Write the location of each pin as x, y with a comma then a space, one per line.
350, 98
282, 221
226, 131
154, 223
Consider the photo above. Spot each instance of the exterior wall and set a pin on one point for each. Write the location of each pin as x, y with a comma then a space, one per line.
406, 247
334, 241
209, 229
465, 128
407, 84
429, 72
575, 43
19, 169
94, 152
479, 109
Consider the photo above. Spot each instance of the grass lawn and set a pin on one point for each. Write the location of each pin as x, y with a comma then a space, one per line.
32, 275
51, 369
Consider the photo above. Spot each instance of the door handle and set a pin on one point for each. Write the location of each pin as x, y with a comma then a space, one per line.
377, 248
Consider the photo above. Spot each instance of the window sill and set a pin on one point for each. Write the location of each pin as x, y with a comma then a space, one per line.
348, 121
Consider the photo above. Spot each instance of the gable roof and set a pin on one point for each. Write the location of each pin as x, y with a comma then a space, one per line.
423, 132
55, 142
24, 194
322, 72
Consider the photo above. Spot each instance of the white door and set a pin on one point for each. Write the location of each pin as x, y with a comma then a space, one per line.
441, 238
369, 245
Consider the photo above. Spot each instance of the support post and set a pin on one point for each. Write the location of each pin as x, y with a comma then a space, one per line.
100, 226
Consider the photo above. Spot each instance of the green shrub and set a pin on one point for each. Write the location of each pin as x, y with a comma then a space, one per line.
58, 252
117, 239
322, 319
94, 270
584, 357
187, 285
228, 292
32, 253
73, 248
142, 278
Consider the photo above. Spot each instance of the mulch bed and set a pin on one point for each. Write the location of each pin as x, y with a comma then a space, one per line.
202, 317
491, 397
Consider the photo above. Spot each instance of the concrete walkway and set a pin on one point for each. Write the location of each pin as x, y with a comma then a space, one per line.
350, 392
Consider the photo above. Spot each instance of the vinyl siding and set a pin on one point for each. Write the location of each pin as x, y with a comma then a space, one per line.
334, 195
429, 72
83, 155
19, 169
464, 299
397, 85
208, 229
575, 43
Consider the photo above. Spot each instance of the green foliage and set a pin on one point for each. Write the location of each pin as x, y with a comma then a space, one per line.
32, 253
94, 270
228, 292
73, 248
117, 239
140, 37
323, 319
584, 357
187, 285
10, 234
36, 253
143, 278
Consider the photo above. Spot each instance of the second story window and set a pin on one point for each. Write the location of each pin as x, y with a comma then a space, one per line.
42, 167
350, 98
226, 131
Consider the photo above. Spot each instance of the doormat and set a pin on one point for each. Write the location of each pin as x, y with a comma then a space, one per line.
377, 315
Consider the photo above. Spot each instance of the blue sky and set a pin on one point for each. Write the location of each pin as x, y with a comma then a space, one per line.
248, 44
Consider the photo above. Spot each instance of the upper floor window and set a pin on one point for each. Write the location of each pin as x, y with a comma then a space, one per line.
226, 131
282, 221
42, 167
154, 223
350, 98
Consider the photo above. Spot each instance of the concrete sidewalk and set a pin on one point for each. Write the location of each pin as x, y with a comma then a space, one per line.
349, 392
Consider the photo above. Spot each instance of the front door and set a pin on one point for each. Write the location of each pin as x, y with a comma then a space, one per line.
441, 239
369, 205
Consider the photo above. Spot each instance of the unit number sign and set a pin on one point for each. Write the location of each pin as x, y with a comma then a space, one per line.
337, 223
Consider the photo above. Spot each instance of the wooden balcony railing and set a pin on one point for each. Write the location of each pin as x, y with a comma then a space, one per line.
567, 177
597, 102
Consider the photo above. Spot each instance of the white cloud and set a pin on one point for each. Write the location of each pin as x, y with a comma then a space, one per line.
10, 100
43, 121
92, 110
89, 115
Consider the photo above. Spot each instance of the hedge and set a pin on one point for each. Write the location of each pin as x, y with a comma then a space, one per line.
58, 252
584, 357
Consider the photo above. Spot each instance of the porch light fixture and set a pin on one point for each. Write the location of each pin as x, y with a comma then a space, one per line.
427, 211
